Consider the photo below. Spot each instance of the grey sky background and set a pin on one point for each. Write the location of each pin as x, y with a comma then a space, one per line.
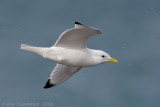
130, 33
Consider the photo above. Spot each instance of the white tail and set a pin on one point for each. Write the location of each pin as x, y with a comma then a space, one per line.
34, 49
23, 46
27, 47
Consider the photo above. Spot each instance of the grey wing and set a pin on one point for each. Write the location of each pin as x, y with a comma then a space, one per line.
76, 37
60, 74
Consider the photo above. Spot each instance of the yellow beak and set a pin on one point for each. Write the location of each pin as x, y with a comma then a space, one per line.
112, 60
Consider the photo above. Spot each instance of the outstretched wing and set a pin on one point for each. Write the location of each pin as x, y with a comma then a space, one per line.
76, 37
59, 74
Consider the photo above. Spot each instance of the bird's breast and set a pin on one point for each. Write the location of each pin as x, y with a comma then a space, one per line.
72, 57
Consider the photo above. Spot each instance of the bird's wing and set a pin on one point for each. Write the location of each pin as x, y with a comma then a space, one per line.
76, 37
60, 73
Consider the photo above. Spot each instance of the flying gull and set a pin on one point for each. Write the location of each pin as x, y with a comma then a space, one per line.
71, 53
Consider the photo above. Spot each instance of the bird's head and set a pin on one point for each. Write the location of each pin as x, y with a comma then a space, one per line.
102, 57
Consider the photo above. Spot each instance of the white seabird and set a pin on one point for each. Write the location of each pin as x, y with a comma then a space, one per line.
71, 53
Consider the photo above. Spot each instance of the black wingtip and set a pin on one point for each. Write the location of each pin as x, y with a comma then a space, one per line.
78, 23
48, 85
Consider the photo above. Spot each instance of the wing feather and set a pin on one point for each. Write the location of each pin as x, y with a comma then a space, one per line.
60, 74
76, 37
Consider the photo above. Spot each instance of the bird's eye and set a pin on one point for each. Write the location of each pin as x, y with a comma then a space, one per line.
103, 56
